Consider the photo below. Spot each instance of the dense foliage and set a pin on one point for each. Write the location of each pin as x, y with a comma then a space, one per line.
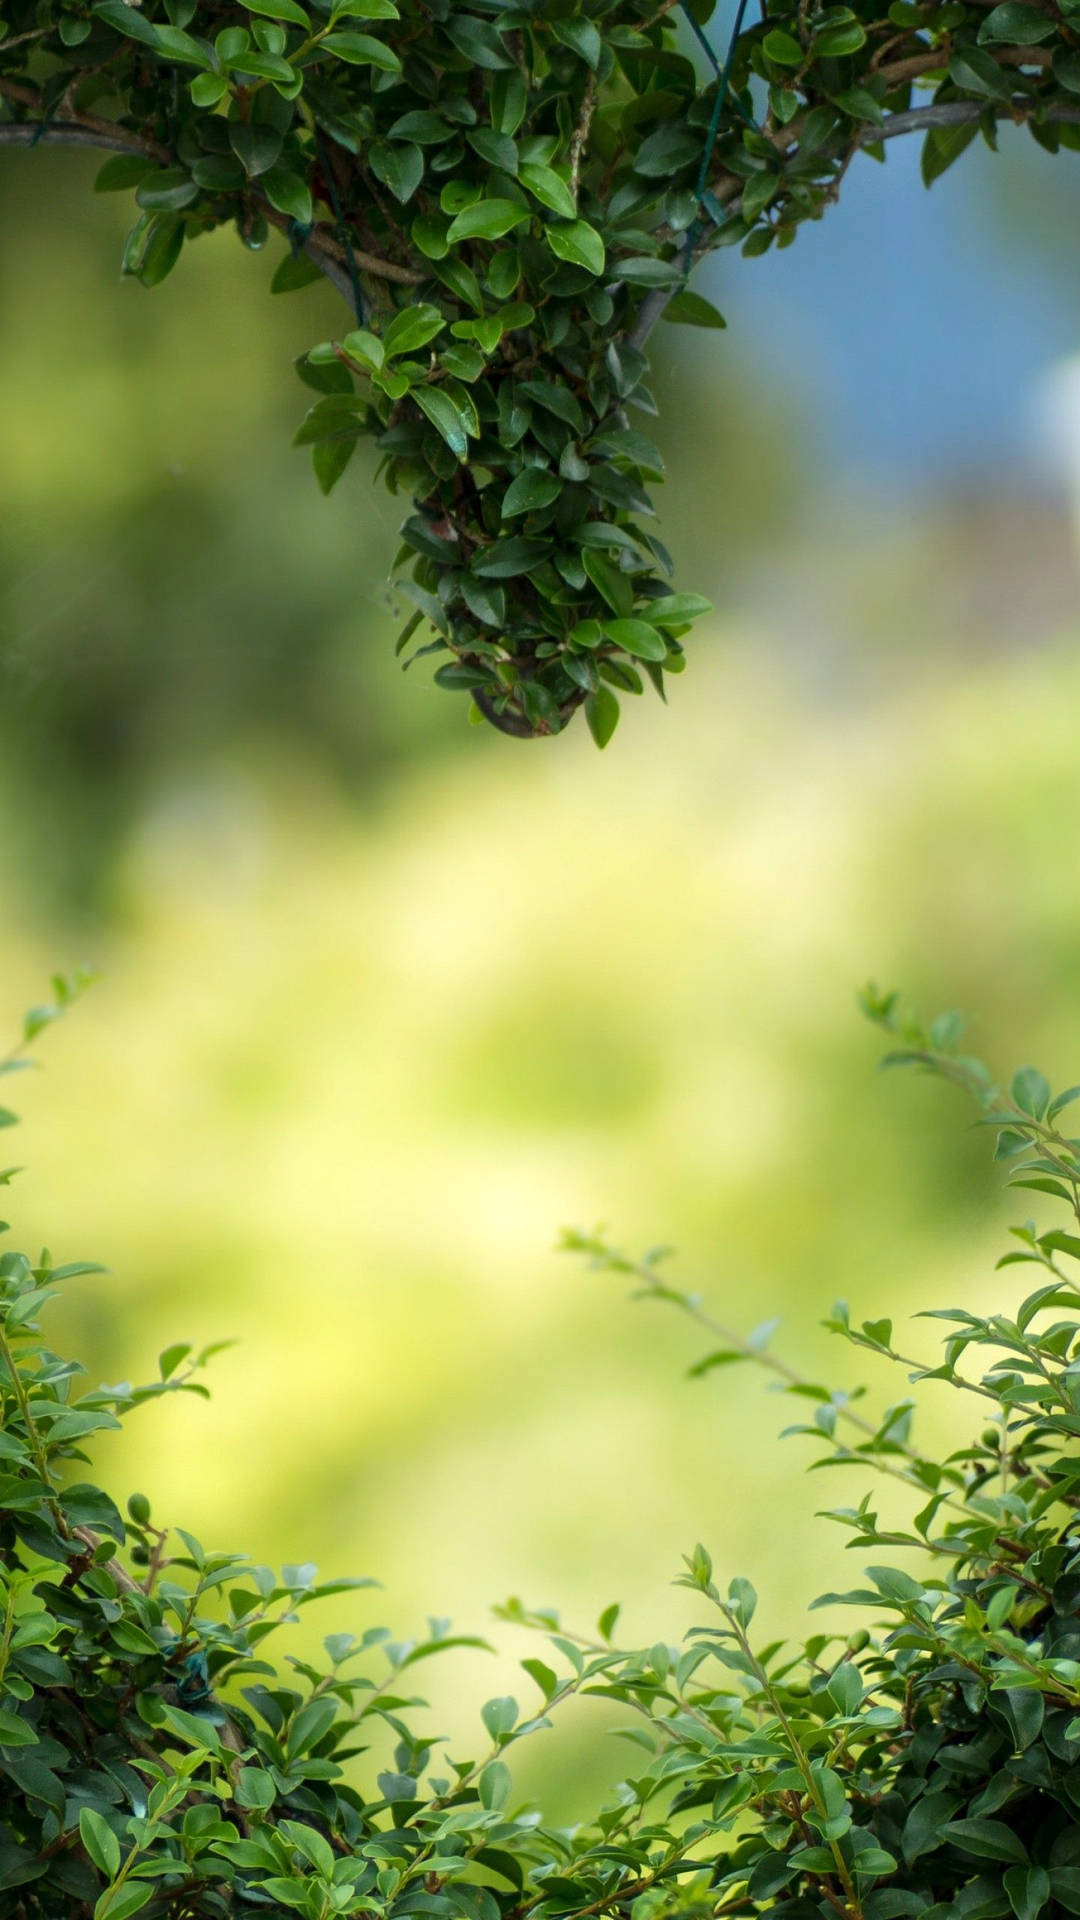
153, 1759
510, 196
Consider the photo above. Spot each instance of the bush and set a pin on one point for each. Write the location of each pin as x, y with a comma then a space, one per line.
152, 1759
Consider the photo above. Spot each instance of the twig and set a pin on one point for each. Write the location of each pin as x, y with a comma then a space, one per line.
581, 132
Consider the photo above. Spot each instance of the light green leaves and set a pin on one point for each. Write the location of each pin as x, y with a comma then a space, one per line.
487, 220
413, 327
100, 1842
445, 417
636, 637
361, 50
279, 10
1031, 1092
578, 243
548, 186
674, 609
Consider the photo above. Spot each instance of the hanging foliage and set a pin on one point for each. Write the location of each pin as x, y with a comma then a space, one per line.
509, 197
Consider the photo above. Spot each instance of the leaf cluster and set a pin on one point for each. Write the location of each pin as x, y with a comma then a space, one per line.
509, 196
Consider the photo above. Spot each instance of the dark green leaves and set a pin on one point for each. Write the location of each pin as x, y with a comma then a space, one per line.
534, 488
1015, 24
399, 165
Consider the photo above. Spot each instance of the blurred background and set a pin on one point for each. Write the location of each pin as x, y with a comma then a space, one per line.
388, 999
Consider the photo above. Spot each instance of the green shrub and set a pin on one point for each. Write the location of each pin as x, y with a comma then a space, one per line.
510, 197
152, 1759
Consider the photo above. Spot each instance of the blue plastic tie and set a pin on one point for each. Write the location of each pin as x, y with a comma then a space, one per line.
359, 302
723, 73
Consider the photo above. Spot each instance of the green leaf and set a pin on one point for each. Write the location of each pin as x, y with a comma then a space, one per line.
15, 1732
120, 1902
399, 167
1028, 1889
100, 1842
411, 328
494, 1784
176, 45
329, 459
123, 170
167, 190
534, 487
578, 243
208, 88
976, 72
846, 1691
361, 50
783, 48
1017, 25
690, 309
487, 220
675, 609
505, 559
986, 1839
1031, 1092
126, 20
445, 417
548, 186
610, 582
602, 715
833, 43
289, 194
941, 147
637, 637
365, 10
279, 10
582, 37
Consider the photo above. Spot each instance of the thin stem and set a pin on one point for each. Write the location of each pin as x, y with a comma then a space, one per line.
41, 1458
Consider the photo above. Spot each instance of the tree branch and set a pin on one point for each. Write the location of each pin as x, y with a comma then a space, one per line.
946, 113
321, 248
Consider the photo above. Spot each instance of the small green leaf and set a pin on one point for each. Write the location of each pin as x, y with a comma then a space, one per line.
123, 170
602, 715
487, 220
637, 637
445, 417
1031, 1092
100, 1842
411, 328
578, 243
1017, 25
533, 488
549, 187
166, 190
361, 50
783, 48
399, 166
690, 309
279, 10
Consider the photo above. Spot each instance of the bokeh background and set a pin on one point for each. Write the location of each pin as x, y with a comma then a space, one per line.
387, 999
